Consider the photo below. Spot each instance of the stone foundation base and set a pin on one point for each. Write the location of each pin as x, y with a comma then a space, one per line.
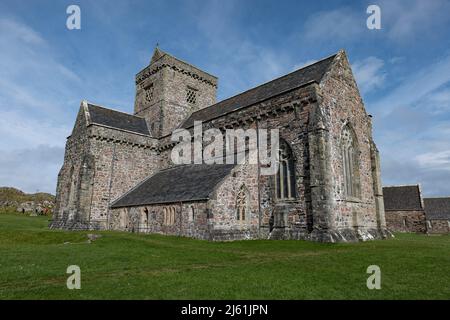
349, 235
230, 235
76, 225
341, 235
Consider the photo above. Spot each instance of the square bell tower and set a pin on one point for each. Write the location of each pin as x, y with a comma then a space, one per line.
169, 90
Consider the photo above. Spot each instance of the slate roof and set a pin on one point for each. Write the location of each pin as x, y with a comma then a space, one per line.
177, 184
402, 198
296, 79
437, 208
116, 119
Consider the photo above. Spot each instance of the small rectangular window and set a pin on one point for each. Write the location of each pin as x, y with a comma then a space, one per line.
191, 95
149, 92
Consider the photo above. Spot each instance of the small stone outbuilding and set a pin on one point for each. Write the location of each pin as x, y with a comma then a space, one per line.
404, 209
437, 211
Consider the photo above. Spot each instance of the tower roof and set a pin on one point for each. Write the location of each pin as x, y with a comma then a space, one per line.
157, 54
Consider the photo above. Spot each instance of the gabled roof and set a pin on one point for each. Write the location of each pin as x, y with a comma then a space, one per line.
296, 79
437, 208
178, 184
400, 198
116, 119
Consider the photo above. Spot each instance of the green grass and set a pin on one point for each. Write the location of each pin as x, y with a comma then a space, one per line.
33, 263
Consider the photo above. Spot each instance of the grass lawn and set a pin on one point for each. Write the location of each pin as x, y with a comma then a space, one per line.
34, 259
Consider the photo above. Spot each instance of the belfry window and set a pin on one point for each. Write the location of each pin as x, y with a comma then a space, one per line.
350, 162
191, 95
149, 93
285, 178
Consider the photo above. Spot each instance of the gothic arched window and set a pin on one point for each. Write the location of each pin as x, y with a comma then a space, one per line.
241, 204
350, 162
285, 178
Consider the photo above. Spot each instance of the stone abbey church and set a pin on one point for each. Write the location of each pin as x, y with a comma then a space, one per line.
118, 174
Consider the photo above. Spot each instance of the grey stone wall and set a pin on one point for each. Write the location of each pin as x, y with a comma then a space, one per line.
122, 159
190, 220
406, 221
100, 164
438, 226
108, 162
74, 178
341, 104
171, 78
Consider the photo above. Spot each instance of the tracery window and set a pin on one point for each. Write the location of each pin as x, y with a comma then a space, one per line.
350, 162
285, 177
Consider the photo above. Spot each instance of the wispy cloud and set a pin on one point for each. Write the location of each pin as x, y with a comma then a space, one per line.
423, 82
412, 131
338, 24
405, 20
247, 62
33, 90
369, 73
31, 169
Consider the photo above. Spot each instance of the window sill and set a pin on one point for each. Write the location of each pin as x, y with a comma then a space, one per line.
287, 200
353, 199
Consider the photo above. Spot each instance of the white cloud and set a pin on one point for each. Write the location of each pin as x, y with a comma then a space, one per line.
34, 92
31, 169
406, 19
401, 20
339, 24
369, 73
423, 82
20, 131
435, 160
411, 126
247, 63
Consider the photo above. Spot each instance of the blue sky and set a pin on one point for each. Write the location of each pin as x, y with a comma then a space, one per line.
403, 70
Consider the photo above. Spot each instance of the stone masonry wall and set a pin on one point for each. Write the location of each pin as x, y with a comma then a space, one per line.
289, 113
122, 159
191, 219
341, 104
223, 221
71, 176
406, 221
171, 78
439, 226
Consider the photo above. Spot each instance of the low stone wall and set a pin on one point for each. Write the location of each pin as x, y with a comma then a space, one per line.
406, 221
439, 226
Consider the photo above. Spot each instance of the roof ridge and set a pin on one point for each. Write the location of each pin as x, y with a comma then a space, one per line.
118, 111
402, 185
265, 83
441, 197
164, 53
